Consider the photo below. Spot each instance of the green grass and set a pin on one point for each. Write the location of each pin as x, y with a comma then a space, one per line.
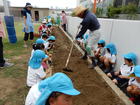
19, 56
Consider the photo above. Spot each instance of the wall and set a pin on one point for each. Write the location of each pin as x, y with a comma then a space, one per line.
1, 2
125, 34
16, 12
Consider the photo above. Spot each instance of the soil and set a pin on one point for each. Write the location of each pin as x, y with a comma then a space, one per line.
94, 90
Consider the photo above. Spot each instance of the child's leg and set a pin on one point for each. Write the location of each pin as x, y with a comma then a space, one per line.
115, 81
106, 62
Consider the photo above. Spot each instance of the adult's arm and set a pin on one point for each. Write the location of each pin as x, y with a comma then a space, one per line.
85, 24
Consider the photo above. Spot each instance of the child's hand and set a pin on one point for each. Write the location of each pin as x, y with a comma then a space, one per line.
117, 73
121, 76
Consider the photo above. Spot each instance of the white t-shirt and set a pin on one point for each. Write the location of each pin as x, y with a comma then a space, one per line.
102, 51
126, 70
133, 81
35, 75
33, 95
46, 44
111, 57
32, 53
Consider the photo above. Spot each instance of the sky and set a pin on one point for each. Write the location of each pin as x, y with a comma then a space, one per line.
46, 3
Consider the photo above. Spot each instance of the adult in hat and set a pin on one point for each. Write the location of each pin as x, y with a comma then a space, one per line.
28, 25
90, 23
55, 90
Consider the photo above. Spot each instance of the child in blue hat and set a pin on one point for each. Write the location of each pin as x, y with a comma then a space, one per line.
134, 82
51, 41
98, 52
55, 90
109, 59
38, 45
35, 68
83, 42
122, 76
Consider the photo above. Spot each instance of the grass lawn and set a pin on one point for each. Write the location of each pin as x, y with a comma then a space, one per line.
13, 88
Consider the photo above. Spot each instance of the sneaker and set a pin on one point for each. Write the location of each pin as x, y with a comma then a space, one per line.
7, 64
25, 46
106, 71
101, 65
84, 57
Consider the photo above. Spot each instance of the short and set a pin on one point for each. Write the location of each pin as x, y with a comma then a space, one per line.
120, 80
26, 36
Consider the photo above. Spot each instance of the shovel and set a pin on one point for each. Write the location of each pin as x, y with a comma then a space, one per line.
66, 65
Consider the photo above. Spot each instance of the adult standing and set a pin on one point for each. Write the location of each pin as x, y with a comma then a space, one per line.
90, 23
28, 24
64, 20
2, 61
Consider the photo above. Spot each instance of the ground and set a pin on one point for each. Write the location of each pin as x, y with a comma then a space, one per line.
13, 90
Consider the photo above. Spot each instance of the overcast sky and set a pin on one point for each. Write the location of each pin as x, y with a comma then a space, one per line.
46, 3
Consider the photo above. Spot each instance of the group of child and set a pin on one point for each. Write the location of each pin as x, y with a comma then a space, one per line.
105, 56
47, 90
41, 54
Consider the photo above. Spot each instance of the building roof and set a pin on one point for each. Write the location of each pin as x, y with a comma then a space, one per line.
33, 7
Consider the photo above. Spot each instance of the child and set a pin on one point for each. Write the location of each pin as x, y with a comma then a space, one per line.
51, 41
109, 59
46, 43
122, 76
134, 86
134, 82
55, 90
43, 28
35, 69
39, 45
83, 42
100, 51
50, 28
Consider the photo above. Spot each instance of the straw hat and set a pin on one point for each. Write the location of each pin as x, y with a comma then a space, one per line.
78, 10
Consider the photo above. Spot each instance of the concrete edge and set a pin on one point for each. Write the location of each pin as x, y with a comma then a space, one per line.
118, 92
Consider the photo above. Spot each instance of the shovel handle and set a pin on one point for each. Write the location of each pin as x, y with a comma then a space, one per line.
69, 55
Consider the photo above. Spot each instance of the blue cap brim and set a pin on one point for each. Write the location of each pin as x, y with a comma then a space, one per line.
71, 92
125, 56
137, 74
46, 56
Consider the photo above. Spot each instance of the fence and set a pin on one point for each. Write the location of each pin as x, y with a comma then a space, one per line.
125, 34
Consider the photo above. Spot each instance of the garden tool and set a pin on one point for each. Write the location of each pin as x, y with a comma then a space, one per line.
66, 65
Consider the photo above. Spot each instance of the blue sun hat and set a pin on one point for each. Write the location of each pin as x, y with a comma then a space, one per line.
51, 38
59, 82
40, 41
131, 56
101, 42
86, 36
112, 48
137, 71
36, 60
49, 24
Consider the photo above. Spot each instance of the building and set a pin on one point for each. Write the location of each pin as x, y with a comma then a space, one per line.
1, 6
126, 2
59, 11
85, 3
37, 13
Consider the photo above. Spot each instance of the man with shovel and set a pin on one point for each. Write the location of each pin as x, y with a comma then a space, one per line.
90, 23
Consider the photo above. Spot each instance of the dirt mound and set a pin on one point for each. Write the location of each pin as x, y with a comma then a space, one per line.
94, 90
